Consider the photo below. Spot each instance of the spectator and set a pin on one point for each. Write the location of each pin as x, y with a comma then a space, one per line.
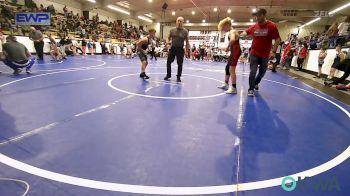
7, 12
193, 49
196, 55
128, 51
121, 49
153, 50
246, 55
332, 34
51, 9
83, 33
344, 31
313, 42
208, 51
340, 56
344, 27
301, 56
202, 51
65, 11
343, 66
322, 41
94, 47
103, 47
83, 45
322, 55
42, 8
91, 50
287, 58
278, 56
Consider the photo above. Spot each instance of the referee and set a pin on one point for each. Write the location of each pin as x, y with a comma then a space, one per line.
177, 36
37, 38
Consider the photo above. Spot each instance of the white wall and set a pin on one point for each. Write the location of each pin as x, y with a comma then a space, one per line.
312, 28
59, 5
134, 23
287, 28
103, 15
166, 31
198, 42
155, 26
311, 63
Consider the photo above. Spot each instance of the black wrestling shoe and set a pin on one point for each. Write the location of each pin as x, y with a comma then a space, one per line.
144, 76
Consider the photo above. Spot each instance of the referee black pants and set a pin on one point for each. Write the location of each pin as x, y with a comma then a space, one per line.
179, 54
39, 48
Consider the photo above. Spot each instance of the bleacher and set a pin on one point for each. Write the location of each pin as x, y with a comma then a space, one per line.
69, 25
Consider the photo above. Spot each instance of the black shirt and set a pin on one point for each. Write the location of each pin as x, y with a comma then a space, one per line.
336, 60
193, 48
63, 42
69, 41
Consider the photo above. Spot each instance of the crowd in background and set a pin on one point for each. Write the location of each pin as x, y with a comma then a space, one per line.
64, 23
336, 34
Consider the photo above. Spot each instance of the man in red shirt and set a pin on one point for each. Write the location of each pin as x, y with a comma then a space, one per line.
302, 55
263, 33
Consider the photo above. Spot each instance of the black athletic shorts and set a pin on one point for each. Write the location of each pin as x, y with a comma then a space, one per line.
142, 56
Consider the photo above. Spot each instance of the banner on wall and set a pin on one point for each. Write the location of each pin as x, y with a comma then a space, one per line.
209, 38
321, 13
33, 18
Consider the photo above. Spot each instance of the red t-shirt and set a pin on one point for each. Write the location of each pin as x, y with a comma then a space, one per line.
286, 50
263, 34
303, 53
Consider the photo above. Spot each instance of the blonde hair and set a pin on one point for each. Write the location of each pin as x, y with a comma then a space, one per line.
223, 22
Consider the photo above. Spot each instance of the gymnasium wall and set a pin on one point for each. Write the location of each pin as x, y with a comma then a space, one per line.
287, 28
311, 63
103, 15
166, 31
155, 26
59, 5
